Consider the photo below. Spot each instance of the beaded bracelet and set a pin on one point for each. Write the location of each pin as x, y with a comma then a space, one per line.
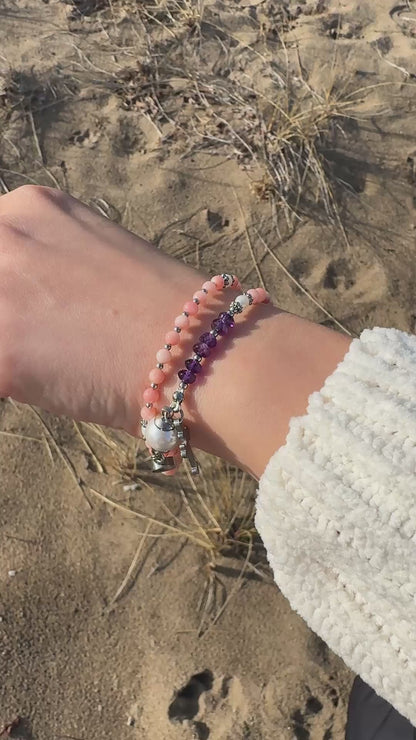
158, 375
166, 436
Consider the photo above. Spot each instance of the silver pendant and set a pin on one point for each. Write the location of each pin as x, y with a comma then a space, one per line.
163, 434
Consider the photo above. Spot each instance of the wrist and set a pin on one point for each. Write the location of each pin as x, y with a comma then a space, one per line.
263, 378
260, 375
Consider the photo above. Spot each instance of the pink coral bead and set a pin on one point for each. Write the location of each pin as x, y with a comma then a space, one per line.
202, 297
218, 281
182, 321
157, 376
151, 395
263, 295
210, 287
147, 414
191, 308
172, 338
254, 294
163, 356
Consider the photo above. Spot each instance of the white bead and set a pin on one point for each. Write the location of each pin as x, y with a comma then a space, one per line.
243, 300
160, 439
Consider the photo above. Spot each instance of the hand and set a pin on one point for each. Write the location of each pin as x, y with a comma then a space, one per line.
83, 304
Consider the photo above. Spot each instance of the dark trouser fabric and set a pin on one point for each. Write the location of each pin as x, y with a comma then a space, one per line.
372, 718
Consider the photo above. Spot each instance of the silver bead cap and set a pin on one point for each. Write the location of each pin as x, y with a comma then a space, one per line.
165, 425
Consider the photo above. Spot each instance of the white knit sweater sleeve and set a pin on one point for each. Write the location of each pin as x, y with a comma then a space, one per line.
336, 510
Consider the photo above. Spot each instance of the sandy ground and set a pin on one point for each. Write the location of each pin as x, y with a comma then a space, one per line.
85, 105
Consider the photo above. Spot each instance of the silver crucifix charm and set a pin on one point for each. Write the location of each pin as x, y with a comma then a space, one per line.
185, 447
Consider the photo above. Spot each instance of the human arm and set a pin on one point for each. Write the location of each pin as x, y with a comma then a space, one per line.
85, 305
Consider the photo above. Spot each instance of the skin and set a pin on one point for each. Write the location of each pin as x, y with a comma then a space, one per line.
85, 305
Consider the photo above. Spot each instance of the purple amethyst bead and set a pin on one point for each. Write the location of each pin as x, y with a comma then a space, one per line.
208, 339
227, 319
219, 326
193, 366
200, 348
186, 376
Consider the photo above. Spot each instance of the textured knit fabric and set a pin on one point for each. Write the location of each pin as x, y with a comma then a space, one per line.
336, 510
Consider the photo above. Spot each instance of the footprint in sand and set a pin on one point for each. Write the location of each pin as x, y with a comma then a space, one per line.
212, 707
185, 705
303, 720
345, 277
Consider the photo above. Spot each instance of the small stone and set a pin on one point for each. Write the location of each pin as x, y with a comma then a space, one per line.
131, 722
12, 573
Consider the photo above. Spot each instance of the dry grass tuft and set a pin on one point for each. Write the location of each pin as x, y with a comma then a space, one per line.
206, 89
216, 515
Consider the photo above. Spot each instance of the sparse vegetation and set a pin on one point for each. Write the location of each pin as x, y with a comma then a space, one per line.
205, 89
214, 514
